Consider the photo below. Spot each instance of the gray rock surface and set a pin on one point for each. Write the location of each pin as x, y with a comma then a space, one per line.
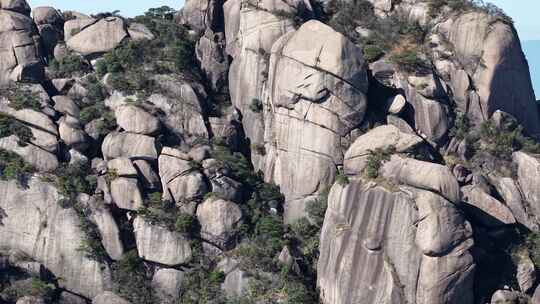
436, 269
20, 53
35, 224
219, 220
108, 297
486, 208
168, 283
129, 145
157, 244
502, 81
40, 159
528, 177
317, 85
422, 175
136, 120
179, 180
382, 137
125, 193
100, 37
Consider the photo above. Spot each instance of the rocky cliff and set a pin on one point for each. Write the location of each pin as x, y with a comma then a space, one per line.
240, 151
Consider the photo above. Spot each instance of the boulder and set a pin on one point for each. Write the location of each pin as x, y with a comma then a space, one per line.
366, 224
503, 296
184, 119
138, 31
441, 227
100, 37
157, 244
32, 217
382, 137
488, 210
180, 182
74, 26
210, 51
227, 188
30, 300
69, 298
71, 133
125, 193
168, 282
136, 120
47, 15
237, 281
422, 175
528, 178
219, 220
490, 50
122, 167
526, 273
148, 178
19, 6
20, 56
108, 229
38, 158
50, 24
108, 297
316, 97
129, 145
66, 105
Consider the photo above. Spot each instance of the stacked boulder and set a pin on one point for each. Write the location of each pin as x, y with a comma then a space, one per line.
21, 54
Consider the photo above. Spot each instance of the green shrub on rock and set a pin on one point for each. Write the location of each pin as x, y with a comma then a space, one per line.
70, 66
10, 126
13, 167
131, 281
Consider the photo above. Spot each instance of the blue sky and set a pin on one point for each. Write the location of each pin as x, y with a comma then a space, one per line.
525, 13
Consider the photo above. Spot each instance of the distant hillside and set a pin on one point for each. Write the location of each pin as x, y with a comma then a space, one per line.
532, 51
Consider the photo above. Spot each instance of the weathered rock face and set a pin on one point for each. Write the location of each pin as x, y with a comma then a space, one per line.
129, 145
99, 37
382, 137
108, 229
184, 119
219, 220
528, 170
167, 283
490, 52
20, 54
366, 224
50, 23
257, 30
181, 183
316, 98
40, 159
136, 120
36, 225
157, 244
109, 298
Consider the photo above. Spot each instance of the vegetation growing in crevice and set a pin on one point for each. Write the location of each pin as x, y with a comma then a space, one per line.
172, 51
71, 66
22, 98
202, 284
132, 280
13, 167
166, 214
72, 180
461, 127
376, 159
93, 107
11, 126
435, 7
30, 287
